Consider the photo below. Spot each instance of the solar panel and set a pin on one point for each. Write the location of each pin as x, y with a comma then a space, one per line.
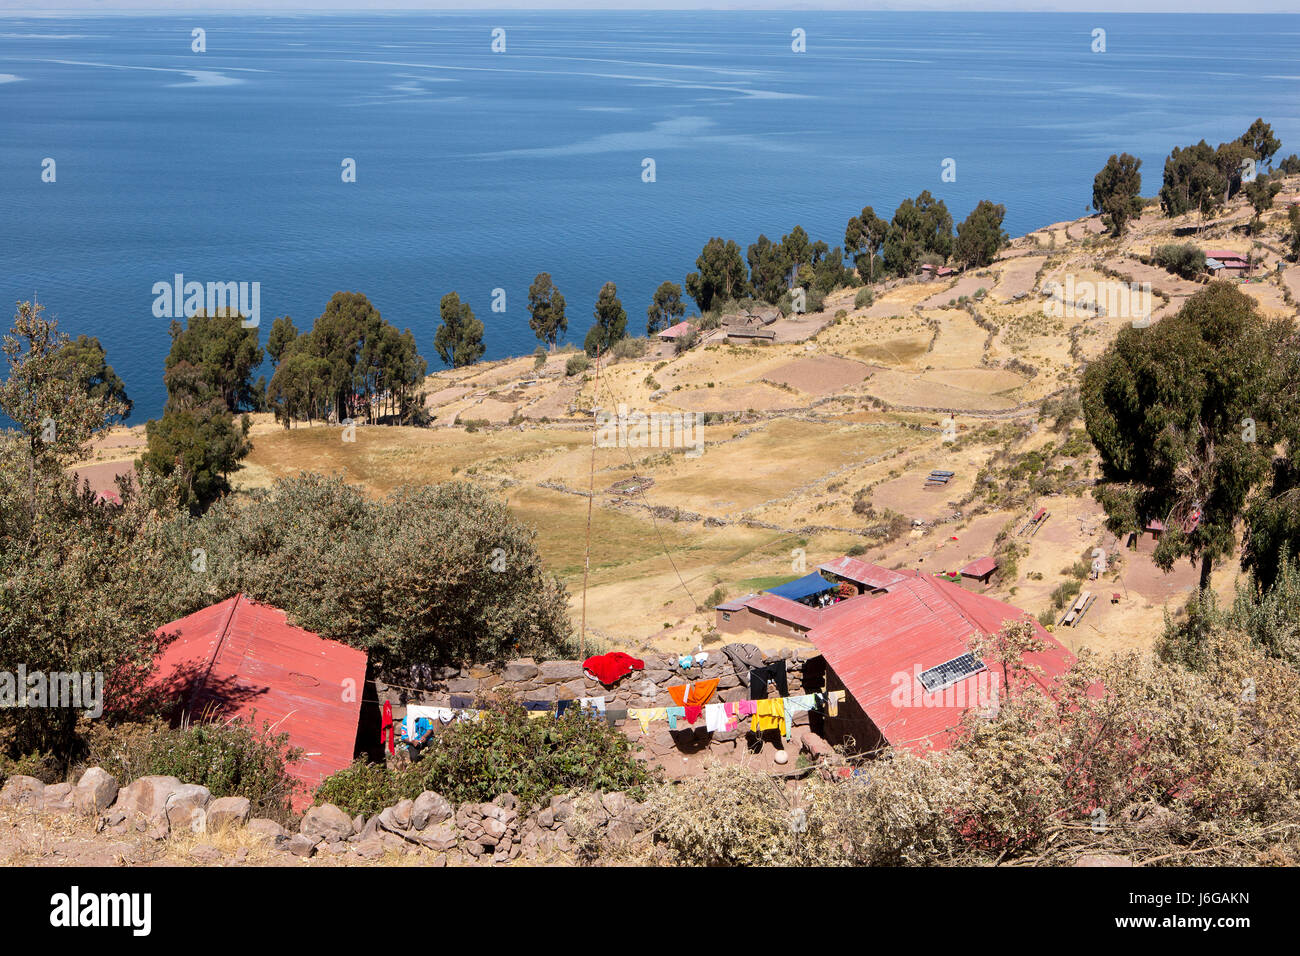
950, 672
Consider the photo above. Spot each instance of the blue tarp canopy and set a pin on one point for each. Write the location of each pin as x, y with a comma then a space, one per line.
803, 587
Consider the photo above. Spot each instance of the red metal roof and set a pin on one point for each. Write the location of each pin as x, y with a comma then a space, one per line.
1038, 514
981, 567
880, 647
861, 572
245, 657
1155, 524
783, 609
681, 328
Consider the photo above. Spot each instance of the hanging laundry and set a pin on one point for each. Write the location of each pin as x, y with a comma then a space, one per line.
594, 704
769, 715
418, 719
686, 661
561, 707
615, 716
716, 719
701, 658
675, 714
746, 708
789, 706
696, 694
547, 706
461, 702
612, 667
643, 716
387, 732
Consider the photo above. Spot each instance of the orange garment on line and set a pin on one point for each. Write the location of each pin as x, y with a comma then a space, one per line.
693, 697
770, 715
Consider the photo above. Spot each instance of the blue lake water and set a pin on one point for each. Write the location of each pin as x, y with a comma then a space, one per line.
476, 170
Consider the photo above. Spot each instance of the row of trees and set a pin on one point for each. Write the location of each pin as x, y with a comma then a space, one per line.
1199, 177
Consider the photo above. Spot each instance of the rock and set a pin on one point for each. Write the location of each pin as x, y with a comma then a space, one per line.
523, 669
187, 807
555, 671
205, 853
369, 849
495, 829
95, 791
267, 830
816, 746
301, 845
473, 849
429, 808
326, 822
57, 797
463, 685
1103, 859
226, 813
562, 808
241, 854
619, 832
358, 823
22, 790
402, 814
546, 818
147, 797
614, 803
438, 837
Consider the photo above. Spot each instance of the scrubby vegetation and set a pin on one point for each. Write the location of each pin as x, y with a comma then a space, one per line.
502, 752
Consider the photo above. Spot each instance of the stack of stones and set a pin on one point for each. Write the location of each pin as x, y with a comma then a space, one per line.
525, 679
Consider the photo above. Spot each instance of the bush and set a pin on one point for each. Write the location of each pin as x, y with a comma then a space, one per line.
539, 357
363, 787
685, 343
502, 752
863, 299
576, 364
629, 348
230, 758
1184, 259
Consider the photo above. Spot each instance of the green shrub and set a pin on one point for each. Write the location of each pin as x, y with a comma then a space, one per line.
231, 759
863, 299
504, 751
1184, 259
363, 787
539, 357
576, 364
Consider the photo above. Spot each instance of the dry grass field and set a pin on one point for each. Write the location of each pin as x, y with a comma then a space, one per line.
841, 408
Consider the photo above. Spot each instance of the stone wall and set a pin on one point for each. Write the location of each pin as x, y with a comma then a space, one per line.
527, 679
473, 834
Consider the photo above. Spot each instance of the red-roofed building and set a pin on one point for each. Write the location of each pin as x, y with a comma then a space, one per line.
905, 661
674, 332
869, 578
979, 572
243, 659
1227, 261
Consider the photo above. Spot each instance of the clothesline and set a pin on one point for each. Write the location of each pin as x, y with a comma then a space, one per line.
773, 713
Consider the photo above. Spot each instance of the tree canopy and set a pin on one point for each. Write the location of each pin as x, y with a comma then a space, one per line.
1185, 414
980, 235
610, 324
920, 227
666, 308
546, 310
721, 275
459, 339
1115, 192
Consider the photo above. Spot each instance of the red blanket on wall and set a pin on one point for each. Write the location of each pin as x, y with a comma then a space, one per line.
611, 667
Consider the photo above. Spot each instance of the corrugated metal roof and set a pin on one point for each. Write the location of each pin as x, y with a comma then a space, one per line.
246, 657
980, 567
786, 610
735, 604
880, 647
861, 572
